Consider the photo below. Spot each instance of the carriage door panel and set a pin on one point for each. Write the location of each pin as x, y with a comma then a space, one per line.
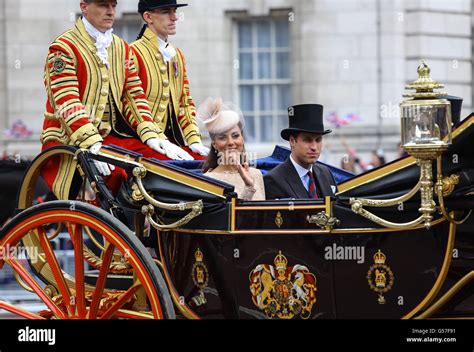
200, 268
397, 275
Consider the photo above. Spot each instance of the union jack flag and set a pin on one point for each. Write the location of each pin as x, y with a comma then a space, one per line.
337, 121
18, 131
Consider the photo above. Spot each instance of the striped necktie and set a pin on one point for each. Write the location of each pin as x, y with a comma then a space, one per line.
312, 186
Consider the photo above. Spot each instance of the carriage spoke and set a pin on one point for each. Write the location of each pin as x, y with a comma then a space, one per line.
76, 235
121, 301
52, 260
19, 311
100, 284
35, 287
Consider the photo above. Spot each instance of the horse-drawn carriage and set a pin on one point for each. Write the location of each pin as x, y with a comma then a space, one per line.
172, 243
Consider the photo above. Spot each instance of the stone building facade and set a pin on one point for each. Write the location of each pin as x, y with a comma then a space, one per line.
352, 56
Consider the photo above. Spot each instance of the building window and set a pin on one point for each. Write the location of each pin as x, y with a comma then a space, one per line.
128, 27
264, 84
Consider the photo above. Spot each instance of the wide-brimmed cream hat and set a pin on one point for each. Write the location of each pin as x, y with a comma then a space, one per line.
219, 117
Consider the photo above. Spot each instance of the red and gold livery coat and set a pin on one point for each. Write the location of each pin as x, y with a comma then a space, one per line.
78, 90
166, 86
78, 85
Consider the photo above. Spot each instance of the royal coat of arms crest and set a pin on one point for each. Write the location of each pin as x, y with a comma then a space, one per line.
283, 291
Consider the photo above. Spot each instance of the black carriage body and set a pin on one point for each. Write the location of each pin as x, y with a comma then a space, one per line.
418, 260
419, 265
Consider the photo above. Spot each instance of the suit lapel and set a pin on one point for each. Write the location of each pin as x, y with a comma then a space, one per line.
294, 181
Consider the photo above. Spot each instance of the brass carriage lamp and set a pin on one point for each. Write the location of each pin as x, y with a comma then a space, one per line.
426, 132
426, 119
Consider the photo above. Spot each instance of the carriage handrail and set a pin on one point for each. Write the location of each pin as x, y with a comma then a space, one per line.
149, 210
357, 205
387, 202
358, 209
140, 173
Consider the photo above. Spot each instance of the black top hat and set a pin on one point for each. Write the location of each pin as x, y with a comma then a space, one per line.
305, 118
147, 5
456, 105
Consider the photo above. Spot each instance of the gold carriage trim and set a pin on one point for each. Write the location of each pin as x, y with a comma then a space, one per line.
281, 291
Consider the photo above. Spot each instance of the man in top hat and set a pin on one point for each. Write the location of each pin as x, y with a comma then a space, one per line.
95, 97
162, 69
300, 176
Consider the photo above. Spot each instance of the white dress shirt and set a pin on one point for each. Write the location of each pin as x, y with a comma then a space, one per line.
302, 172
102, 40
166, 50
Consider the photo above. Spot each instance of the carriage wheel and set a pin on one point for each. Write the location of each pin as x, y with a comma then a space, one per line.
70, 297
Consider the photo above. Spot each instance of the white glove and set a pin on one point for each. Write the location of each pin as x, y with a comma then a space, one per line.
165, 147
200, 149
103, 168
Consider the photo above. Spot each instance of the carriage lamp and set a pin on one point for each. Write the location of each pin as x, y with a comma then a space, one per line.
426, 134
426, 119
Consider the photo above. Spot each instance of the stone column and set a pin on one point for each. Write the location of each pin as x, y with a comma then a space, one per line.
3, 72
440, 33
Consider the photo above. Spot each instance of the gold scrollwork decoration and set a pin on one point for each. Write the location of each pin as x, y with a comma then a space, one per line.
449, 183
137, 196
122, 267
322, 220
442, 186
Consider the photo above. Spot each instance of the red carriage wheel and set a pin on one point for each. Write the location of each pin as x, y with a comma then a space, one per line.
62, 288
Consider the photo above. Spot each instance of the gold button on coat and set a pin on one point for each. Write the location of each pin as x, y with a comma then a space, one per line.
162, 107
166, 83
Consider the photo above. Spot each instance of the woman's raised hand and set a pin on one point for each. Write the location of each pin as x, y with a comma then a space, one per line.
244, 171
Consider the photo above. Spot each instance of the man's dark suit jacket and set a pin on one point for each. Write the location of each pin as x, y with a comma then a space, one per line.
284, 182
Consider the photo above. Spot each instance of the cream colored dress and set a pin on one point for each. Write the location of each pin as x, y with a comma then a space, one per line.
243, 192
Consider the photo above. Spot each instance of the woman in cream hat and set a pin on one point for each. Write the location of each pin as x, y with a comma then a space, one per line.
227, 159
